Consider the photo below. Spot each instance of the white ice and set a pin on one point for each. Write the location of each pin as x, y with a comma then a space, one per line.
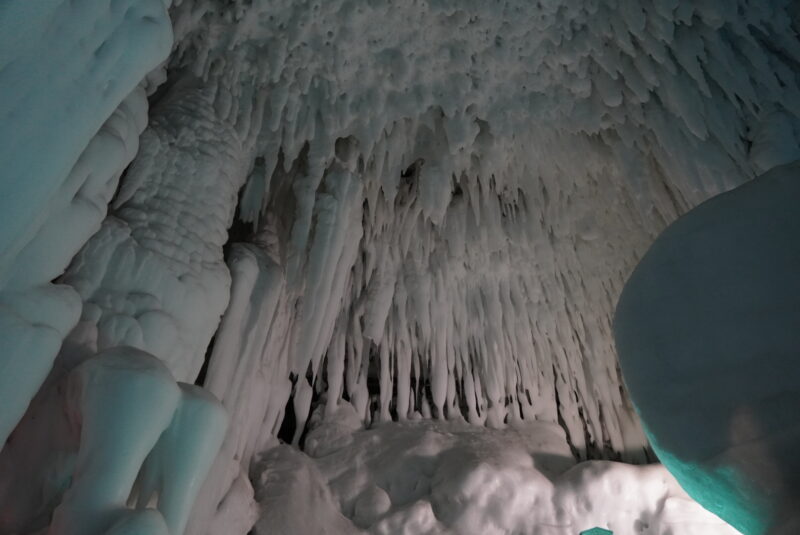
445, 198
437, 478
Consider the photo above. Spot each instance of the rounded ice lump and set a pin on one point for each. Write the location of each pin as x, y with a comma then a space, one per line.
709, 345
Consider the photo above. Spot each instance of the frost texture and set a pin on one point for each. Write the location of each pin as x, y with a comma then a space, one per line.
445, 197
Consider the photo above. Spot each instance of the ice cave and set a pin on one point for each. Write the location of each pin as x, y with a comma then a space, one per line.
399, 267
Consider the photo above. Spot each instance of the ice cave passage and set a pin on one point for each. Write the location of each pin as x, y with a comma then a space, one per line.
422, 267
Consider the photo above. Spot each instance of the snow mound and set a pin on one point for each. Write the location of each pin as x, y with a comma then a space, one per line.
440, 478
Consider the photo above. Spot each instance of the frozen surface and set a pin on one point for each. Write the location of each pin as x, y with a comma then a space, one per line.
121, 400
72, 107
438, 201
153, 276
55, 98
426, 478
446, 205
70, 116
707, 336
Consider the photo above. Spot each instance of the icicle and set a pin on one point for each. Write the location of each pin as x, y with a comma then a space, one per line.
335, 368
301, 402
385, 382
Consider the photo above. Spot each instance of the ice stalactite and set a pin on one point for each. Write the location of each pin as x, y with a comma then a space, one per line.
273, 331
514, 162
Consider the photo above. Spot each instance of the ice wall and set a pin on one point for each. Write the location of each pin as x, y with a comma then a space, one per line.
63, 149
445, 198
104, 427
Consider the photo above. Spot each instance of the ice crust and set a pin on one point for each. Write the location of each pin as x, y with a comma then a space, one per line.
446, 198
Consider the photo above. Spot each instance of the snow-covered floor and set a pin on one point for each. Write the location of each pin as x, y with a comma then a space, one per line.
434, 477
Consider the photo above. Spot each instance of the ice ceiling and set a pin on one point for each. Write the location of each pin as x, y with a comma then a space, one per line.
399, 210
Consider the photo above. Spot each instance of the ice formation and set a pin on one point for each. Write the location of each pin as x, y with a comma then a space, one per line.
71, 118
707, 337
446, 478
424, 210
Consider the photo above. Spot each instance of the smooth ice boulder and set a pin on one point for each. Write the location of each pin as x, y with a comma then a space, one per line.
121, 400
145, 440
708, 341
179, 462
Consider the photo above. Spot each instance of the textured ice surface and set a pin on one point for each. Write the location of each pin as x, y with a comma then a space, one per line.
126, 433
447, 203
451, 478
153, 277
707, 335
120, 400
446, 197
62, 148
73, 101
56, 98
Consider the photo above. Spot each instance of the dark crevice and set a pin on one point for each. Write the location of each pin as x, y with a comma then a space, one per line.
239, 232
201, 377
289, 422
561, 422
